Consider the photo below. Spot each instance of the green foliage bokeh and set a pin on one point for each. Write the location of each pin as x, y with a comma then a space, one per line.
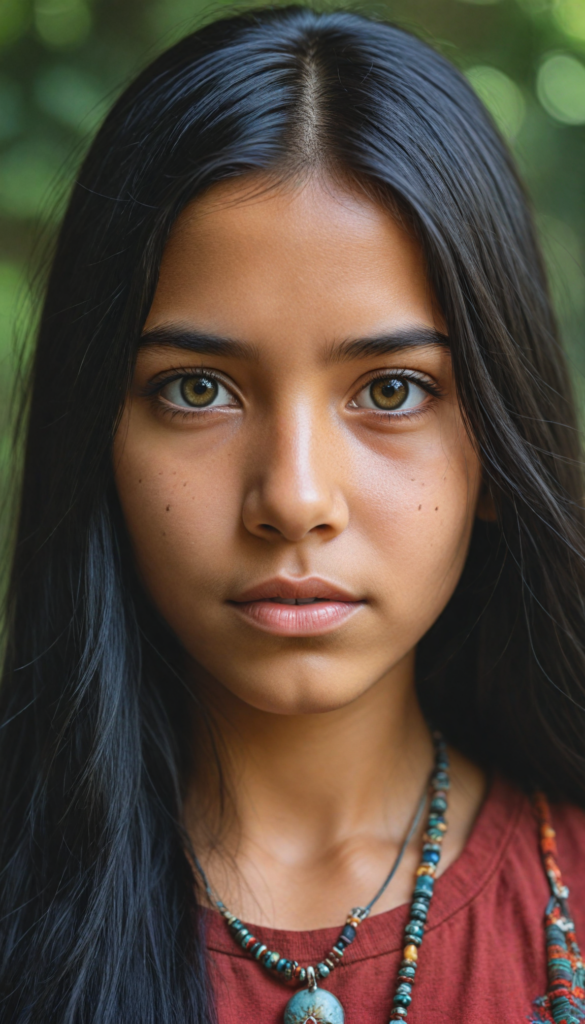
62, 62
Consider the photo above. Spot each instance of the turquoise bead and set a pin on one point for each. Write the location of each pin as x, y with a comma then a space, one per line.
419, 911
438, 803
402, 1000
441, 781
408, 972
431, 857
424, 885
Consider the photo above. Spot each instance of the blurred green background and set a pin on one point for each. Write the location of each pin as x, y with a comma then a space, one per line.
63, 61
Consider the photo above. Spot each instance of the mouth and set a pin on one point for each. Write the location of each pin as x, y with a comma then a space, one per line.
286, 607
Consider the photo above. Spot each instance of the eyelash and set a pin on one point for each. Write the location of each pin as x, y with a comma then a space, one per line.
153, 388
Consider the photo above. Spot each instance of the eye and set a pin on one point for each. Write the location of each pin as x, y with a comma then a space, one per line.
391, 394
197, 392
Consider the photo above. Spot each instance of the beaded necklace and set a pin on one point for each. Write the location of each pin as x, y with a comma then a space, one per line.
314, 1005
564, 1002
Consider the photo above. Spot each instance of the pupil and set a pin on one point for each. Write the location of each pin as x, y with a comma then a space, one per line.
199, 391
389, 394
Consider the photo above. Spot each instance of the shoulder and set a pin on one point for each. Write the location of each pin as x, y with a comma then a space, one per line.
568, 822
507, 826
524, 856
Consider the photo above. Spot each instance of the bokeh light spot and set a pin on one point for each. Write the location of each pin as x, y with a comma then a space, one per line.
14, 20
561, 88
570, 17
62, 23
536, 7
501, 96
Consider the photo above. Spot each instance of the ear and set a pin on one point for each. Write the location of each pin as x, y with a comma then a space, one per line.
486, 506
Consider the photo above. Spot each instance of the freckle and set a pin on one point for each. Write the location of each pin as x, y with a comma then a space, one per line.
140, 481
185, 484
164, 534
168, 508
437, 509
419, 507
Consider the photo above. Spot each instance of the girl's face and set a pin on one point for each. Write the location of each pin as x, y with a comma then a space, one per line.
293, 434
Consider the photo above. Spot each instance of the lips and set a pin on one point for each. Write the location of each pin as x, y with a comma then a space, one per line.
285, 607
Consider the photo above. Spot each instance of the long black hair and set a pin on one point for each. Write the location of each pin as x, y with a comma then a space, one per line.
98, 911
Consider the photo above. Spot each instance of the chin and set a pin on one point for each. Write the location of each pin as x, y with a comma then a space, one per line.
287, 684
294, 697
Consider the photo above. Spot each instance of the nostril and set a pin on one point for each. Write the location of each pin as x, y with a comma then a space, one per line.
267, 526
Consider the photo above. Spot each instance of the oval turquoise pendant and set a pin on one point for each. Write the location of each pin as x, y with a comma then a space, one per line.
314, 1007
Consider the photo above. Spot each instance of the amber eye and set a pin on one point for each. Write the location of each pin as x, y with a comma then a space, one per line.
390, 393
199, 391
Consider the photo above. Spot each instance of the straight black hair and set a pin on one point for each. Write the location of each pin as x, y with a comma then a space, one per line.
99, 913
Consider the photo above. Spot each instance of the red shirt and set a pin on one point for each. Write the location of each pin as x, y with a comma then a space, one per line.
483, 958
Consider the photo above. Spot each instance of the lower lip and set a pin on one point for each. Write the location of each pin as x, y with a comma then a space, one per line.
298, 619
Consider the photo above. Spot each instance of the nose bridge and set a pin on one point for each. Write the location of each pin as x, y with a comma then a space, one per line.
296, 450
295, 489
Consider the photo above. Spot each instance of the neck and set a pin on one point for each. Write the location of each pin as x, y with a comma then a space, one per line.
319, 803
331, 772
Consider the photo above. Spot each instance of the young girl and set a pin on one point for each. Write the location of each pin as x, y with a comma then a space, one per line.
297, 620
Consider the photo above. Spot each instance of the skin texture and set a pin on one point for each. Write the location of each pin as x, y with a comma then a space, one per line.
294, 476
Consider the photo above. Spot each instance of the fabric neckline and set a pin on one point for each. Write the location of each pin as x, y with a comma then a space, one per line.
458, 886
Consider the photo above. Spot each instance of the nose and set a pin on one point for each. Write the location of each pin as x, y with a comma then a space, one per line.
295, 488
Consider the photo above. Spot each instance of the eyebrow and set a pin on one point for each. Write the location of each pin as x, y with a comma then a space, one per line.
188, 338
202, 342
387, 343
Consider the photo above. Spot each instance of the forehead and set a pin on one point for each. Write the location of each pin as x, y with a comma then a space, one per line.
248, 258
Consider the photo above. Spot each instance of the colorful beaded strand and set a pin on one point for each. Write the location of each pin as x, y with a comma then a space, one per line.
423, 890
564, 1002
291, 969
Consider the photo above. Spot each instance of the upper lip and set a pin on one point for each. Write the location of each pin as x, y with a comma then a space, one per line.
290, 589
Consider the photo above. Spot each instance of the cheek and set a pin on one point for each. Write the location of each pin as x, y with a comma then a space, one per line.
416, 513
181, 509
